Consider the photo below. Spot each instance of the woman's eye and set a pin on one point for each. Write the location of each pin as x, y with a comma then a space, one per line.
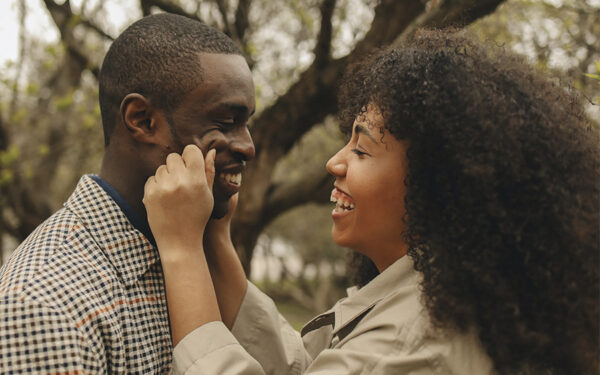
358, 152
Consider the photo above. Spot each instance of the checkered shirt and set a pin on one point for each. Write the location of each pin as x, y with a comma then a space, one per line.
84, 294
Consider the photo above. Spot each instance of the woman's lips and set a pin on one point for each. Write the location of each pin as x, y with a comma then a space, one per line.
343, 202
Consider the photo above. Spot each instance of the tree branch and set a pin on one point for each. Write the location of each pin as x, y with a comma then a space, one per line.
323, 46
20, 58
92, 26
306, 103
316, 87
458, 13
166, 6
223, 12
4, 141
315, 187
241, 19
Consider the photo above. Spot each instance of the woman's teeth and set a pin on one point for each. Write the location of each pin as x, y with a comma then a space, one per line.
342, 205
232, 178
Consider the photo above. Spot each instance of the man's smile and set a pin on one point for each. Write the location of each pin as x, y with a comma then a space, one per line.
229, 179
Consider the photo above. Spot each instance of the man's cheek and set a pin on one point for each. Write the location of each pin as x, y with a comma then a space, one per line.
203, 143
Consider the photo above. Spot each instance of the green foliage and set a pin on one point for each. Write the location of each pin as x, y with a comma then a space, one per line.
9, 156
558, 37
297, 315
19, 116
6, 176
43, 150
32, 88
64, 102
89, 121
593, 76
74, 20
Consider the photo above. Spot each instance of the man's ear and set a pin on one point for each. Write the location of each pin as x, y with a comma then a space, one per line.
141, 119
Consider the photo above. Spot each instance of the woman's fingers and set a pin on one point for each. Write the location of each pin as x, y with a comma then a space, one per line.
195, 162
192, 157
179, 199
174, 163
209, 167
161, 173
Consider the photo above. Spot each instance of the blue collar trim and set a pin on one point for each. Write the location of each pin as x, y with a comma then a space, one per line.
135, 220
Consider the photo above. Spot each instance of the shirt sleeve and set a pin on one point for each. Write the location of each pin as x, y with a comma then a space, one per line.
212, 349
354, 361
36, 339
262, 342
268, 337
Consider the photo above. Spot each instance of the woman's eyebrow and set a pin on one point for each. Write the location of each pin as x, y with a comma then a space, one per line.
359, 129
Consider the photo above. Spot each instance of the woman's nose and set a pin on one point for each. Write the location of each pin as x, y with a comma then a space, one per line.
336, 165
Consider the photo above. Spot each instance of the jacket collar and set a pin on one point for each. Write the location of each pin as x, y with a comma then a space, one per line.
400, 274
128, 250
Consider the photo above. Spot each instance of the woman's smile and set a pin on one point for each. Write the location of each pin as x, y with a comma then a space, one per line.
343, 203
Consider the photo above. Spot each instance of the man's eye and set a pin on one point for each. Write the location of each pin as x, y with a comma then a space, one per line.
224, 126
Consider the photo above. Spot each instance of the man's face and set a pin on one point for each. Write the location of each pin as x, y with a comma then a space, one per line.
215, 115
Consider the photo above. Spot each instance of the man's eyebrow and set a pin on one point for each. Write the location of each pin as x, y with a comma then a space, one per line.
359, 129
236, 108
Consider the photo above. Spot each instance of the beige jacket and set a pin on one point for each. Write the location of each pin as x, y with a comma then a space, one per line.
380, 329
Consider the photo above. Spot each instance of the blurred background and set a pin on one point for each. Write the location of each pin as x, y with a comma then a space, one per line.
51, 134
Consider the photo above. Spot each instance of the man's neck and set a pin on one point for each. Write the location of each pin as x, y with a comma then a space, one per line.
126, 181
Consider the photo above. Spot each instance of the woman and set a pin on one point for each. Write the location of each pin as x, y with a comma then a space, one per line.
469, 191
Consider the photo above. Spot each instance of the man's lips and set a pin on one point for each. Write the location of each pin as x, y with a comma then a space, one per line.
228, 179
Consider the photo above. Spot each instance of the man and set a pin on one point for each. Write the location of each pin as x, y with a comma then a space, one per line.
84, 292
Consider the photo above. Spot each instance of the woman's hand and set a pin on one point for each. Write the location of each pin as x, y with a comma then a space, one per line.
218, 231
227, 273
179, 201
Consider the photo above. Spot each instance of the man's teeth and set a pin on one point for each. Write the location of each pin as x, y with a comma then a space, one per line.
233, 178
342, 205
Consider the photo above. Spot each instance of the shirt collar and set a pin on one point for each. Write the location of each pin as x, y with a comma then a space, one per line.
135, 220
399, 275
127, 247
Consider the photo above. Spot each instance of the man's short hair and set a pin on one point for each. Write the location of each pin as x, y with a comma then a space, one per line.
157, 57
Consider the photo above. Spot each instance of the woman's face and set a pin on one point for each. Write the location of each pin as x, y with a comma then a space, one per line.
369, 191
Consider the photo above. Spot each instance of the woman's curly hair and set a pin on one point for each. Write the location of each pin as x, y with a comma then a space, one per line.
502, 196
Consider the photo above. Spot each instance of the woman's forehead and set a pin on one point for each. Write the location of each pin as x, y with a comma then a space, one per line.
371, 118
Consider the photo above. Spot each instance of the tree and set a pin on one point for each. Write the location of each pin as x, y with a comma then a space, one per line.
61, 111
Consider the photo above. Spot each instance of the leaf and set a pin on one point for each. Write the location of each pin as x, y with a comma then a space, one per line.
43, 150
74, 20
20, 115
8, 156
6, 176
63, 103
32, 89
592, 76
89, 121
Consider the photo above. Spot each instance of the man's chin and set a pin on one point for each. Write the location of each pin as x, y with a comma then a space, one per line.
220, 209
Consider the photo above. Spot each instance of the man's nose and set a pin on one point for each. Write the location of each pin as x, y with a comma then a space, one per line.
241, 144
